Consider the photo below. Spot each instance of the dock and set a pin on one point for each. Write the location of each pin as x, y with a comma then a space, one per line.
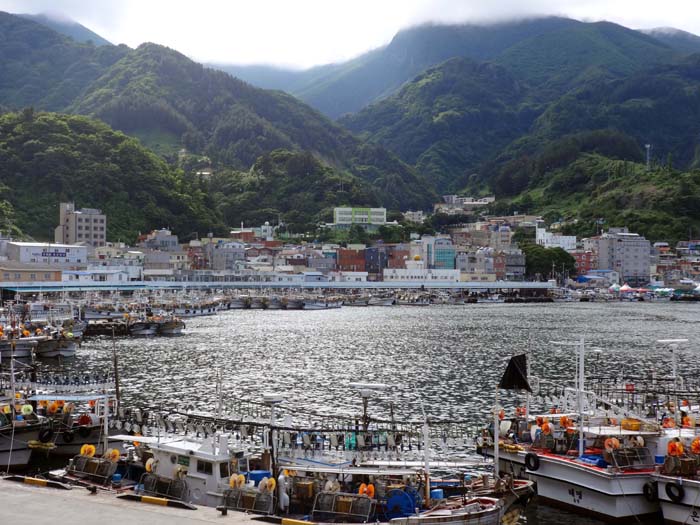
23, 503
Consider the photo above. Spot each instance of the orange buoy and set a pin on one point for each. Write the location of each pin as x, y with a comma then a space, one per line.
675, 448
546, 429
612, 444
695, 446
686, 422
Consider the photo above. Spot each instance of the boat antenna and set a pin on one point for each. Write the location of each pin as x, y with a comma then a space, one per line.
116, 369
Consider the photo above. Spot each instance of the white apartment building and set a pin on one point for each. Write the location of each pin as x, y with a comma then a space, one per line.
553, 240
47, 254
87, 225
627, 253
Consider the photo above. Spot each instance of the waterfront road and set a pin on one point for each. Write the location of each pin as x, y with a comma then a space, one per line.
31, 505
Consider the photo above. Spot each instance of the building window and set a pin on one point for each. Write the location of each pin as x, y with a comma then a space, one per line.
5, 275
32, 276
18, 276
47, 276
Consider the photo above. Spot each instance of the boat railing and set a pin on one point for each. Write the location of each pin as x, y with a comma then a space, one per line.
350, 508
99, 470
249, 500
632, 458
154, 485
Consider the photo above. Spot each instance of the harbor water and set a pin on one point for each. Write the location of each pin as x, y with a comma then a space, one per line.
444, 359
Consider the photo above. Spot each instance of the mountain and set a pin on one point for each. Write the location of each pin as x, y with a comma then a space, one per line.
170, 102
167, 101
337, 89
448, 119
46, 158
659, 106
592, 189
555, 62
454, 119
42, 68
682, 41
69, 28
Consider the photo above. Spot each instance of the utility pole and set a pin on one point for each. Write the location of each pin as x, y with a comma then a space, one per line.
648, 161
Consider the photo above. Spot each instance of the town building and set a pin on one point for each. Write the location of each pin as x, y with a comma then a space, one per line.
414, 216
436, 252
369, 218
15, 272
351, 260
52, 255
87, 225
162, 240
553, 240
223, 255
456, 205
420, 275
628, 254
585, 260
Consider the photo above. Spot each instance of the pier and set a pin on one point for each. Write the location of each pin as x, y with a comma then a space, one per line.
43, 506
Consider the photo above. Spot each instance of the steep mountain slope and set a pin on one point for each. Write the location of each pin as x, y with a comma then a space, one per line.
457, 117
337, 89
557, 61
167, 100
682, 41
46, 158
592, 189
39, 67
448, 119
69, 28
659, 106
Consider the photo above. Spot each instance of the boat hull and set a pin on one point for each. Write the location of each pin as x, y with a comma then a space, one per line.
684, 511
585, 490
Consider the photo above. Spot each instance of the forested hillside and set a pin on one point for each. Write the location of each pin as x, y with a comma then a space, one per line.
46, 158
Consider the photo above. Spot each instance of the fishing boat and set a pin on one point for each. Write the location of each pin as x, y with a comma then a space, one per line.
191, 468
380, 300
356, 301
143, 327
275, 303
581, 459
22, 348
455, 511
170, 325
321, 304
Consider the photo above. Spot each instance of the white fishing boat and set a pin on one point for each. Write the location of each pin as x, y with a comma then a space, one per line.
378, 300
196, 470
170, 325
455, 511
145, 327
321, 304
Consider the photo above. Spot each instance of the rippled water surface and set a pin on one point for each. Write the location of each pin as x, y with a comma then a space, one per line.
450, 357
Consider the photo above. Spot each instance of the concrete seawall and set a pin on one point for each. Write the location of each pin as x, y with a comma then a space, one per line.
21, 503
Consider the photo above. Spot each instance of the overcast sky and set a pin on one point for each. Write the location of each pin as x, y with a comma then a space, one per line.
302, 33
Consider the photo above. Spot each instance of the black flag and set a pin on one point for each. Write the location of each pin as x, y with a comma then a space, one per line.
515, 376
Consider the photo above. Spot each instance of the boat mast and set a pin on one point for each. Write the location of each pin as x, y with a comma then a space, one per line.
673, 345
580, 396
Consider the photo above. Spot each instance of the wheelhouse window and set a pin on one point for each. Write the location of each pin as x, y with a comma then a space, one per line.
204, 467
